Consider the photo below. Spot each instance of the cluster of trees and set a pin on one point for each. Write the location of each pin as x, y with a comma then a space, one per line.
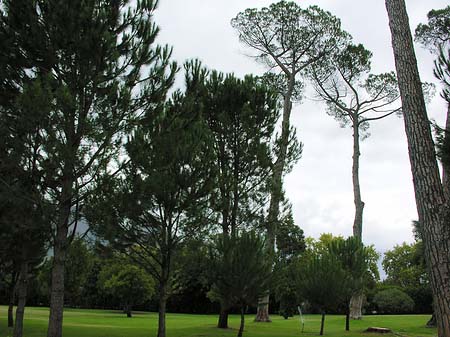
93, 145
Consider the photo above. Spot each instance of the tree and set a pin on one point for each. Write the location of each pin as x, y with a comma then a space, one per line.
431, 201
80, 260
241, 271
355, 97
436, 37
130, 284
241, 115
323, 282
290, 39
290, 246
354, 258
393, 301
91, 58
405, 268
160, 198
354, 103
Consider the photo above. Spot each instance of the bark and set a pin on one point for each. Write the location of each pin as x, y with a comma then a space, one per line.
11, 305
347, 320
432, 322
59, 258
356, 303
446, 162
262, 314
263, 309
241, 327
21, 299
322, 323
356, 300
359, 204
429, 192
223, 318
162, 309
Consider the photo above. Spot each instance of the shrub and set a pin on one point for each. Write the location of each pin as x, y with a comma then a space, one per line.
393, 301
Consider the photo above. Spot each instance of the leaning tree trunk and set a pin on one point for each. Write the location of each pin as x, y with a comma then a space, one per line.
322, 323
262, 314
357, 299
59, 258
431, 202
21, 299
241, 327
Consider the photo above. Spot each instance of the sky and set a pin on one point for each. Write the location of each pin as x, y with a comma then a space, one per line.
320, 186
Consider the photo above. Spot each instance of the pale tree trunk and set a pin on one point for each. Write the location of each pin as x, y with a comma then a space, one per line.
262, 314
431, 202
21, 299
356, 301
359, 204
59, 257
355, 306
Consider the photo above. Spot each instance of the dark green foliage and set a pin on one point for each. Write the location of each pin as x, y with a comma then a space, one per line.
393, 301
290, 245
405, 268
323, 282
240, 270
241, 115
290, 238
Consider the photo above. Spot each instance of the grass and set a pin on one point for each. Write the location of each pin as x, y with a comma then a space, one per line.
104, 323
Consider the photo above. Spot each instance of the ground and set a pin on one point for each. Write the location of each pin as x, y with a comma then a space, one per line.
104, 323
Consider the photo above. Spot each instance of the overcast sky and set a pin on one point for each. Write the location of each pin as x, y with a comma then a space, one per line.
320, 186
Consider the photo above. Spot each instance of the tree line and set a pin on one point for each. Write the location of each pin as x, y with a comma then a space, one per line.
96, 142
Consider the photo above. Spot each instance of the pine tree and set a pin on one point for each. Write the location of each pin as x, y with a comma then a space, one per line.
96, 66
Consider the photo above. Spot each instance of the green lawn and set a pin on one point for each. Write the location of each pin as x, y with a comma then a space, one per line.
102, 323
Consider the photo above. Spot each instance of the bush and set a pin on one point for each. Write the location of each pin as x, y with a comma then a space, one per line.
393, 301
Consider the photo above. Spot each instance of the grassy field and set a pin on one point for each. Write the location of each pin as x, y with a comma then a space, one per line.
101, 323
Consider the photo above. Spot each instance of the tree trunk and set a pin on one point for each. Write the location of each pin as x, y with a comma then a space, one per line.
356, 303
357, 299
322, 323
359, 204
21, 299
347, 320
59, 258
162, 309
241, 327
11, 305
128, 310
263, 309
276, 194
223, 318
431, 202
432, 322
